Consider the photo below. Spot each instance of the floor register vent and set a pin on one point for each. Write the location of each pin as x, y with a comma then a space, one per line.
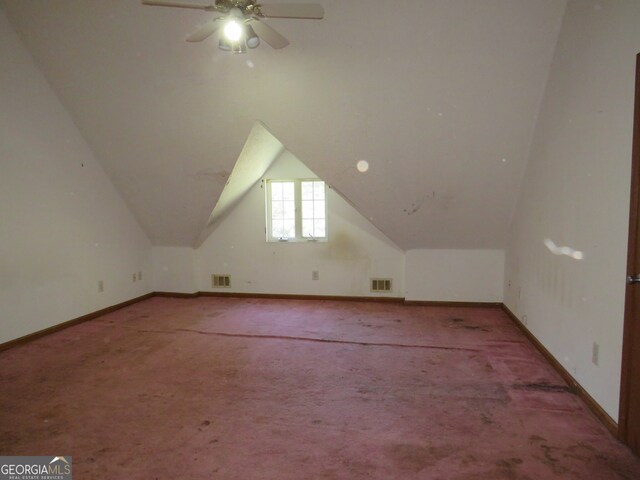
220, 281
380, 284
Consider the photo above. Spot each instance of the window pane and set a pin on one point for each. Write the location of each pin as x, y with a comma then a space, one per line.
318, 209
287, 190
318, 190
307, 228
277, 209
276, 191
289, 210
289, 228
307, 209
277, 229
307, 190
319, 229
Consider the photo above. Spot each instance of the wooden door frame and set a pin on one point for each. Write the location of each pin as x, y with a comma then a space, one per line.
630, 316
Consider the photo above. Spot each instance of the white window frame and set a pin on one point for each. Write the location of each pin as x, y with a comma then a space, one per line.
297, 196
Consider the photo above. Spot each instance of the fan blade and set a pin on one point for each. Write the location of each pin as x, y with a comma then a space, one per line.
291, 10
205, 31
162, 3
268, 34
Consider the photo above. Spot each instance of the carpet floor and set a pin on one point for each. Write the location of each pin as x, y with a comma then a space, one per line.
247, 389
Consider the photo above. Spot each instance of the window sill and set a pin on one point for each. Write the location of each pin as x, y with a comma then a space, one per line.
298, 240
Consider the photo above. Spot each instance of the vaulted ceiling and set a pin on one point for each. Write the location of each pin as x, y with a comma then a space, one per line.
439, 96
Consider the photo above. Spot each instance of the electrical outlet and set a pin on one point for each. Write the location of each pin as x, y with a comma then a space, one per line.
100, 286
135, 277
139, 275
315, 275
595, 353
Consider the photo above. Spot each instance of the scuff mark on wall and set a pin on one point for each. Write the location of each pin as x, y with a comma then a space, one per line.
417, 205
413, 209
442, 202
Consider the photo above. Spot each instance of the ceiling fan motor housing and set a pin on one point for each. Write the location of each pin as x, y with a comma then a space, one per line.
245, 6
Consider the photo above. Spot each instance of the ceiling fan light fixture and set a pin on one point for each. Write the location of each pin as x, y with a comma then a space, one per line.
239, 47
233, 31
233, 47
235, 35
252, 39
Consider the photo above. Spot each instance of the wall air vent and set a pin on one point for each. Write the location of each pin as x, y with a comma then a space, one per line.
379, 285
220, 281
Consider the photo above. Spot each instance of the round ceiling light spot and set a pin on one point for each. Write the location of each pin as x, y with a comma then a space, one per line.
362, 166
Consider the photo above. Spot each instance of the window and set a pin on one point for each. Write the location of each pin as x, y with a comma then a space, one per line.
314, 223
283, 210
296, 210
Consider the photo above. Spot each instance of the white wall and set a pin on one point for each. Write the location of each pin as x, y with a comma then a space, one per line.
356, 251
576, 192
455, 275
173, 269
63, 227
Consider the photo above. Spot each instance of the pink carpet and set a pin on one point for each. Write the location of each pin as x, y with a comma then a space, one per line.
227, 388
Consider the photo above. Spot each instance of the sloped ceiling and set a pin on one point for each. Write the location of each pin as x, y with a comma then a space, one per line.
258, 154
439, 96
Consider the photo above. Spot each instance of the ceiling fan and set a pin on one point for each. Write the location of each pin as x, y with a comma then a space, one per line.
241, 23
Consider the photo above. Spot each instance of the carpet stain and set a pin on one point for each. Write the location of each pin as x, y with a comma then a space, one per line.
543, 387
415, 458
508, 468
552, 461
536, 439
486, 419
463, 323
